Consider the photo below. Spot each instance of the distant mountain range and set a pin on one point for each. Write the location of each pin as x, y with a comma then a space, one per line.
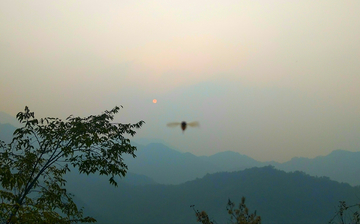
277, 196
162, 183
339, 165
165, 165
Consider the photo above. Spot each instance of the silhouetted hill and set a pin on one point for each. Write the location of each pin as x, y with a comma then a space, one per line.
168, 166
6, 132
147, 141
278, 197
132, 179
8, 119
339, 165
231, 161
89, 211
90, 189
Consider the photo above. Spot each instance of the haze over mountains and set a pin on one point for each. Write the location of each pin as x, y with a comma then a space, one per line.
162, 183
164, 165
167, 166
273, 84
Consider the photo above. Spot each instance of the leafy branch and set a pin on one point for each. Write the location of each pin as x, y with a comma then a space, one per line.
33, 164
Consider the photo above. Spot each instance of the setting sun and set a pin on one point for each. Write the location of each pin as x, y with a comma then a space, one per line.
154, 101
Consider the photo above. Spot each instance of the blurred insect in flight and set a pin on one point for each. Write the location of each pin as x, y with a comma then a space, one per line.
184, 124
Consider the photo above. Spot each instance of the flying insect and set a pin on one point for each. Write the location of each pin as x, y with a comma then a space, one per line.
184, 124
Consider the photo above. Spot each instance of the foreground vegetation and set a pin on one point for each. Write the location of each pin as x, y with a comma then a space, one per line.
238, 215
33, 165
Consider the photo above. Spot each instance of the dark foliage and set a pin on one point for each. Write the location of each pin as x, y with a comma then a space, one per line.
32, 166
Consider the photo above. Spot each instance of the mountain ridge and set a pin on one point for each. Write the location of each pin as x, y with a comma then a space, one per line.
273, 193
8, 119
169, 166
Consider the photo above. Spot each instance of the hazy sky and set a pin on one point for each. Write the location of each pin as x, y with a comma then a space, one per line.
268, 79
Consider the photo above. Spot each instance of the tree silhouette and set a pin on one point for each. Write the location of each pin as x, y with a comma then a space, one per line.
238, 215
346, 214
33, 164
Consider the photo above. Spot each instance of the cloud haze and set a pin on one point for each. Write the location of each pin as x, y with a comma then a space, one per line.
269, 79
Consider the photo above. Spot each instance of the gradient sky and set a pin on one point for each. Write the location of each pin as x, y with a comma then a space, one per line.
268, 79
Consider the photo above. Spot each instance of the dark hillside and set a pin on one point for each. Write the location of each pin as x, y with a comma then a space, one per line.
167, 166
339, 165
278, 197
6, 132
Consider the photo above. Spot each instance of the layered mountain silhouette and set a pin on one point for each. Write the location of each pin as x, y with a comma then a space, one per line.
165, 165
339, 165
168, 166
277, 196
162, 183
